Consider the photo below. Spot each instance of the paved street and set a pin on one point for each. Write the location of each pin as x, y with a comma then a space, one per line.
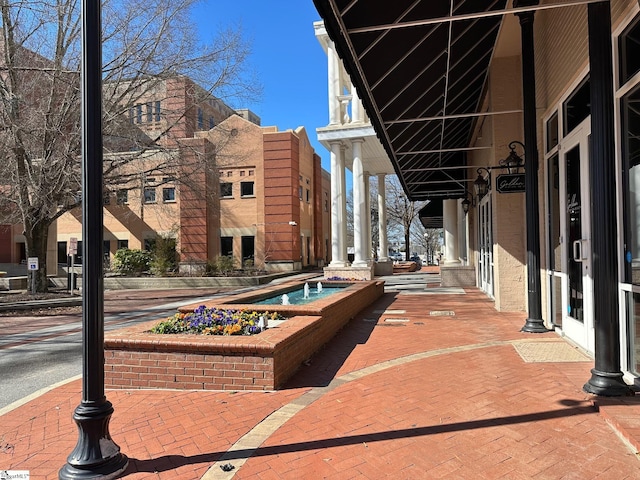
39, 351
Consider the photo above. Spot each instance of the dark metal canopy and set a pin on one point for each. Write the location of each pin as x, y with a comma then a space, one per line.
431, 214
421, 68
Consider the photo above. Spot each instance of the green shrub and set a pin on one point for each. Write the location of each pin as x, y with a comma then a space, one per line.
164, 258
131, 262
222, 265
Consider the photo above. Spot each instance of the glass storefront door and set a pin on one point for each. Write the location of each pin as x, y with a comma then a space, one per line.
485, 242
577, 321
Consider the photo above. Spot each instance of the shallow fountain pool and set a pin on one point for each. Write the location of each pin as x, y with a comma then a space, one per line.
298, 297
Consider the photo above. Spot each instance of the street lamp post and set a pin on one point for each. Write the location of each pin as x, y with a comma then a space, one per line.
96, 455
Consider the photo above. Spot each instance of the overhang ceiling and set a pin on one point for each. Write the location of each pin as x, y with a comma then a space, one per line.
421, 69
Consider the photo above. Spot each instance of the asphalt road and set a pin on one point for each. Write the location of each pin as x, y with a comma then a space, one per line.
35, 359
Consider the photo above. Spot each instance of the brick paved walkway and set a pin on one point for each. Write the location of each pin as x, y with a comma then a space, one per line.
416, 387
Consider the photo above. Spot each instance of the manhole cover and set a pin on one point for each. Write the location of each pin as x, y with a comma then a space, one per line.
442, 313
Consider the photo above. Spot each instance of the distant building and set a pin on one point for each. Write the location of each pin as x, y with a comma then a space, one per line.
218, 182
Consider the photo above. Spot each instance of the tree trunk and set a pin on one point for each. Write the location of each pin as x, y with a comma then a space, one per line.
407, 244
37, 237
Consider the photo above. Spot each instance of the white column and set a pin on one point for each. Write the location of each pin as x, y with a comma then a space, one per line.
450, 223
359, 206
338, 208
356, 106
383, 252
343, 205
334, 84
367, 196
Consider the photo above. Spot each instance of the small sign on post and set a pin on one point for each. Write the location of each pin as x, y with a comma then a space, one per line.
32, 263
73, 246
71, 274
33, 266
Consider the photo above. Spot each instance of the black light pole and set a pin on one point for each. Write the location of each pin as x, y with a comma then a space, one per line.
534, 322
96, 455
606, 376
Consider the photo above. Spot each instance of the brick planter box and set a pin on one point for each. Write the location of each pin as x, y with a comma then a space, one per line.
136, 358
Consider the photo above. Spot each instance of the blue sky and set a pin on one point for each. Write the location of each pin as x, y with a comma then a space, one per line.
286, 56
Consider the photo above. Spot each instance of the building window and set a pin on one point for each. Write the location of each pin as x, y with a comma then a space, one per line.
631, 169
169, 194
62, 253
122, 197
326, 202
149, 194
246, 189
629, 48
212, 123
577, 107
248, 251
226, 246
229, 173
131, 115
123, 244
149, 244
200, 119
149, 112
226, 190
138, 113
242, 173
552, 132
106, 250
251, 173
106, 198
157, 112
308, 195
78, 259
300, 192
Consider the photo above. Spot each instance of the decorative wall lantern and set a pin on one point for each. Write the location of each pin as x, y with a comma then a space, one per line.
465, 205
513, 162
482, 185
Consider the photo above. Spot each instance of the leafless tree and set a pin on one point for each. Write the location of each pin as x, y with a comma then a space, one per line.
145, 44
401, 212
426, 239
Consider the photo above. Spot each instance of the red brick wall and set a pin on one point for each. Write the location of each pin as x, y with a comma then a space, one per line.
135, 358
196, 212
5, 244
187, 371
281, 201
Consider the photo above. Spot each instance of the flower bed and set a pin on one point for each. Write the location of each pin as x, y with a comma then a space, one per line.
215, 321
137, 358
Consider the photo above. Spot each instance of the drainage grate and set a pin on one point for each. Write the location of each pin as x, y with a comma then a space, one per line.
396, 320
442, 313
539, 352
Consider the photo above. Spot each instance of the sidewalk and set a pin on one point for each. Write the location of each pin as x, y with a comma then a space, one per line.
426, 383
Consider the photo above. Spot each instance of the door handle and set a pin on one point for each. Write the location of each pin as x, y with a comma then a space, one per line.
579, 250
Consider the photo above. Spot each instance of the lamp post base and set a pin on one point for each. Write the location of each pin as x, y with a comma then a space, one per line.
96, 455
606, 384
534, 326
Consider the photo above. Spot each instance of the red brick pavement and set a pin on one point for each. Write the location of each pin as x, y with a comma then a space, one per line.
436, 397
